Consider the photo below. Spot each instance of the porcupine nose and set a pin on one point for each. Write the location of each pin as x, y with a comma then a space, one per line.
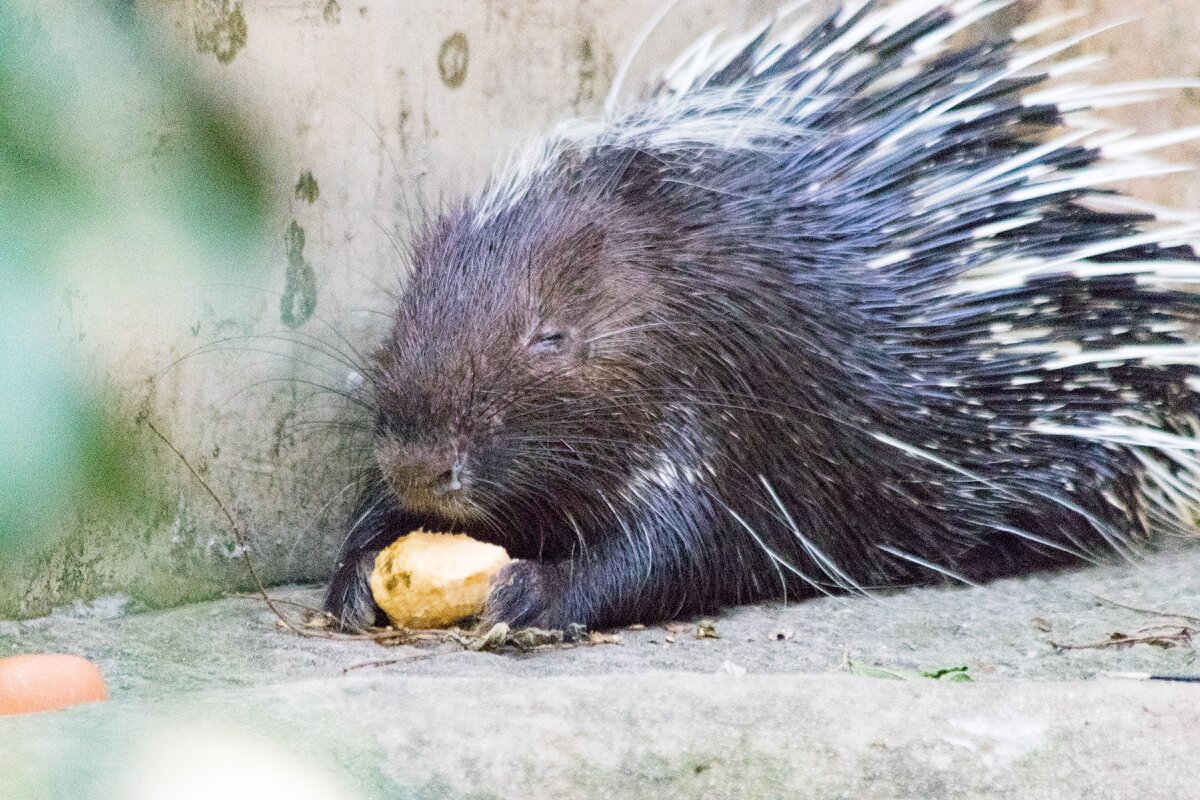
422, 472
448, 481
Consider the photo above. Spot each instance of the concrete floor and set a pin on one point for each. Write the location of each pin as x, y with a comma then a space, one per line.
789, 701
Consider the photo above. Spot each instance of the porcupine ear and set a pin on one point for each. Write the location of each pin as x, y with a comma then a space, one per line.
573, 261
380, 357
428, 241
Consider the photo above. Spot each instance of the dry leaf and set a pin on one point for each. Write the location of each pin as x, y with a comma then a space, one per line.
529, 638
495, 637
317, 619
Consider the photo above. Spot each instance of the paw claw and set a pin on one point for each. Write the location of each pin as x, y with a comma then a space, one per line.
527, 594
349, 600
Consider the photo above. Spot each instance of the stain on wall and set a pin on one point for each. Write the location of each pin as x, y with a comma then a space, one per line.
307, 188
220, 28
300, 286
453, 58
588, 70
332, 12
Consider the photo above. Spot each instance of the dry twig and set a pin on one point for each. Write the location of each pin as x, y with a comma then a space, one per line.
1152, 611
244, 548
1157, 635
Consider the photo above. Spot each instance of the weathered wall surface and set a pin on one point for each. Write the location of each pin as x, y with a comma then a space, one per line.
372, 108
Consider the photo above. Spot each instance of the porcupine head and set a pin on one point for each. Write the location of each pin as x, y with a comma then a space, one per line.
576, 374
848, 308
518, 392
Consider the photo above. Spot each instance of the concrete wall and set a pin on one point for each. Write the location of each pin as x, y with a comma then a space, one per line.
371, 108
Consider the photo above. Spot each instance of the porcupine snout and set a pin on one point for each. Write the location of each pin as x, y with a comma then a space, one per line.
426, 474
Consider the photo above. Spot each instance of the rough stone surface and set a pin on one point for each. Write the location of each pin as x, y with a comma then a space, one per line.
747, 715
682, 735
1002, 631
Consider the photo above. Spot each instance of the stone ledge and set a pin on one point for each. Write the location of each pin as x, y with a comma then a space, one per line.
673, 734
216, 692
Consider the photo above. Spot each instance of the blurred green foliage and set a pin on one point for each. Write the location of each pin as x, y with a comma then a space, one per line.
76, 81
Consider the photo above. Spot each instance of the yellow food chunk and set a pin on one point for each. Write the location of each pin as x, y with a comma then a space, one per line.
432, 580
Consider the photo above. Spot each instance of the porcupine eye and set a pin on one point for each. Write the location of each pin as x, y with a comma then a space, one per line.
548, 340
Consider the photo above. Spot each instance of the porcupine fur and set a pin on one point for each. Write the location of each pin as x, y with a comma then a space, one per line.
840, 306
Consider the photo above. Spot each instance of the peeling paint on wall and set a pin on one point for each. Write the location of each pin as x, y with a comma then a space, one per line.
220, 29
300, 289
307, 188
586, 90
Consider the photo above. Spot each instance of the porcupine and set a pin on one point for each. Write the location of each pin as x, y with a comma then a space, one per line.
837, 307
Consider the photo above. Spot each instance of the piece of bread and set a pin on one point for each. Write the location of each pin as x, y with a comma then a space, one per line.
432, 580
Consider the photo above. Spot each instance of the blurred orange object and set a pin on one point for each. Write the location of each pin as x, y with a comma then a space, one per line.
47, 682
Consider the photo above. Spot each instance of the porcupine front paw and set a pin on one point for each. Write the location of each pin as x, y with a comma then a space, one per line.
528, 594
348, 599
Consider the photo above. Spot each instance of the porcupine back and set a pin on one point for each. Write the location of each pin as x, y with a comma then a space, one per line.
933, 340
889, 322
